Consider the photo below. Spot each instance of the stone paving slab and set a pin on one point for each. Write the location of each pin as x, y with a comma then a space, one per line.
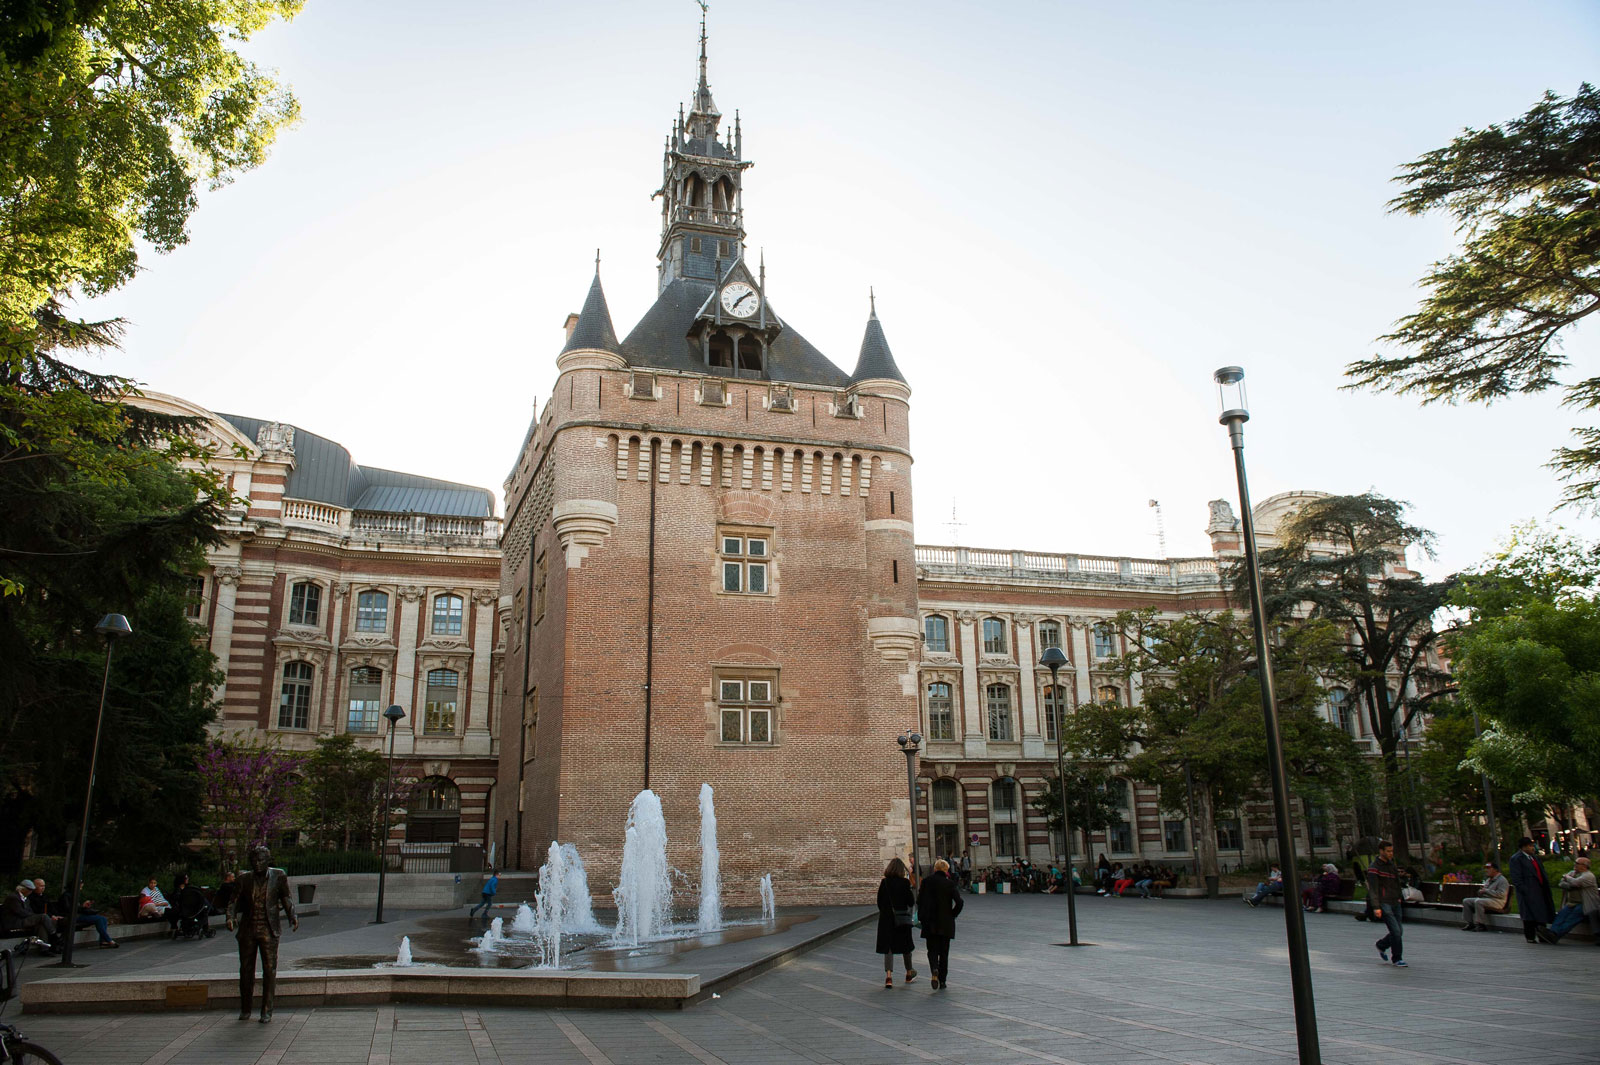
1201, 982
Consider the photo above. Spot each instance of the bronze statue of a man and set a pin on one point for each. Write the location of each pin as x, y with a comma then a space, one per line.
253, 911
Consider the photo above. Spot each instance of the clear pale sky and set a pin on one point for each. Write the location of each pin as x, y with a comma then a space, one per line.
1071, 212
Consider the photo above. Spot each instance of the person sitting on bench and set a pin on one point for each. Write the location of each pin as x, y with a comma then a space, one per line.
1491, 898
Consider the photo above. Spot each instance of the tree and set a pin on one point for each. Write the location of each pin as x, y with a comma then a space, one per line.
1199, 718
341, 793
112, 113
1528, 659
1341, 559
1445, 772
249, 794
1526, 200
1093, 804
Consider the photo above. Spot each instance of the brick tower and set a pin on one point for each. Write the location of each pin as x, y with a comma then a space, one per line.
709, 572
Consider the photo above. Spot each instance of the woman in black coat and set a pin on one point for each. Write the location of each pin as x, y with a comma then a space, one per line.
895, 904
938, 904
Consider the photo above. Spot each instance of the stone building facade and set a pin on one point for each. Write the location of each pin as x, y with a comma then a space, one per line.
340, 590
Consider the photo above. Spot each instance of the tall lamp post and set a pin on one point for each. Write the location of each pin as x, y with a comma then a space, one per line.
1488, 800
910, 743
1231, 393
393, 716
112, 627
1053, 659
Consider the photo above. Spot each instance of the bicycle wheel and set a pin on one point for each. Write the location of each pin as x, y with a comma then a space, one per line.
25, 1053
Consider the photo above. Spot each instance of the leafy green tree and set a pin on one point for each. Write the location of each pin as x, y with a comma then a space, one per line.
341, 793
1199, 717
1341, 559
112, 114
1445, 772
1525, 197
1528, 659
1092, 803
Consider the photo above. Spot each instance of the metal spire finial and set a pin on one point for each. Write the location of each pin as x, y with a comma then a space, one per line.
872, 298
597, 260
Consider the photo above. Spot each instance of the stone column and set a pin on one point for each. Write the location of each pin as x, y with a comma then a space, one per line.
328, 725
476, 741
1028, 725
405, 669
975, 739
1080, 631
227, 601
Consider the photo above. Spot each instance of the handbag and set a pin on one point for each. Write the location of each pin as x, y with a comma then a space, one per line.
902, 917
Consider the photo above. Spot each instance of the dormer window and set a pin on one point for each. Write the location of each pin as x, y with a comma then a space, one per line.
736, 350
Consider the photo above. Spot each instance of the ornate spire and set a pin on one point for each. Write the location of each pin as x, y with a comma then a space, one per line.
703, 115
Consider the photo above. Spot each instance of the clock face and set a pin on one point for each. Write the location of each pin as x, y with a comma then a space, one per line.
740, 300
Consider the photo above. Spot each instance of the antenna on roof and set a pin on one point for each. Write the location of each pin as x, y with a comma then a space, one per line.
953, 525
1161, 527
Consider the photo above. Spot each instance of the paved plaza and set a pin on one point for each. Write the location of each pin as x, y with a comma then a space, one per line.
1165, 981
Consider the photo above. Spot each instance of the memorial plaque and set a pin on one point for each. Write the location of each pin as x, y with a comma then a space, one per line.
187, 996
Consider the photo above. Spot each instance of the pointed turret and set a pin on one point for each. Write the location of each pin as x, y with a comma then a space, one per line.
875, 362
703, 116
593, 330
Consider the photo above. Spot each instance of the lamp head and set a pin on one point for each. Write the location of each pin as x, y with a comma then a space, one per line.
1231, 395
114, 626
393, 715
1053, 658
902, 739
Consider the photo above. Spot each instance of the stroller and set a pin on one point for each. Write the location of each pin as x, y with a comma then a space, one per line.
194, 915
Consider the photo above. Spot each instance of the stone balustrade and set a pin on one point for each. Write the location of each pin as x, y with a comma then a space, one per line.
946, 561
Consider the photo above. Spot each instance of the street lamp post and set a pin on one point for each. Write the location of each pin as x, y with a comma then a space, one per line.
1053, 659
113, 627
393, 716
910, 743
1230, 390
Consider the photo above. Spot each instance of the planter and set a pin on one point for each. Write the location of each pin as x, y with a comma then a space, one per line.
307, 893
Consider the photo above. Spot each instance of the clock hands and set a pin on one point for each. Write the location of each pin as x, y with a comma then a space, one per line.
741, 299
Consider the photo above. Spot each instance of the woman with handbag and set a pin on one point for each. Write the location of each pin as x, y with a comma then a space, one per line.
896, 901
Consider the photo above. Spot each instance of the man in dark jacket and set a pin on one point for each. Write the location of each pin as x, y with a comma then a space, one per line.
938, 905
1383, 894
1534, 904
263, 891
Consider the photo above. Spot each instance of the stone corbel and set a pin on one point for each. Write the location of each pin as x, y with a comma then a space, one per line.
485, 597
896, 639
229, 574
966, 617
581, 524
410, 593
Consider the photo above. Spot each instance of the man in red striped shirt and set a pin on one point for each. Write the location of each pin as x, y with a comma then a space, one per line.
1383, 891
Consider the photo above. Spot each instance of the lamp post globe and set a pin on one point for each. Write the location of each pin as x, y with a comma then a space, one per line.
1053, 659
111, 628
392, 715
1235, 412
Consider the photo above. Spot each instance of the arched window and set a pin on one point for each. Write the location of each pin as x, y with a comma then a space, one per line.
1049, 634
440, 712
366, 700
447, 614
372, 612
936, 632
1105, 641
434, 813
994, 636
294, 703
998, 699
719, 350
1055, 706
1339, 702
1108, 693
941, 712
305, 603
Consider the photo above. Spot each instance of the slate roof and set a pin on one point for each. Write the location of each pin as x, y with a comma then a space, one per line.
325, 472
875, 361
593, 330
661, 341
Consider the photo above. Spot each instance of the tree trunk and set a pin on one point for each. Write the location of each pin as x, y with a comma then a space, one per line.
1205, 837
1400, 832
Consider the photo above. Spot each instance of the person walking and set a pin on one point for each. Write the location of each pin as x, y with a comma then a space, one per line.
939, 904
1580, 901
1383, 893
896, 902
490, 887
1534, 904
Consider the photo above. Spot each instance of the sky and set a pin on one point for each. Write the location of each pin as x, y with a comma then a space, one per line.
1071, 214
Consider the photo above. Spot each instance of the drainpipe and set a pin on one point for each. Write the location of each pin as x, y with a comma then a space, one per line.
650, 607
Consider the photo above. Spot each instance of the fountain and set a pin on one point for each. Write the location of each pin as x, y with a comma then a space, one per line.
769, 904
644, 895
522, 923
575, 886
710, 865
404, 957
490, 941
552, 906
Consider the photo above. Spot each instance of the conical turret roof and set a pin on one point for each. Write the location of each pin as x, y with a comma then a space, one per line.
875, 363
594, 331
